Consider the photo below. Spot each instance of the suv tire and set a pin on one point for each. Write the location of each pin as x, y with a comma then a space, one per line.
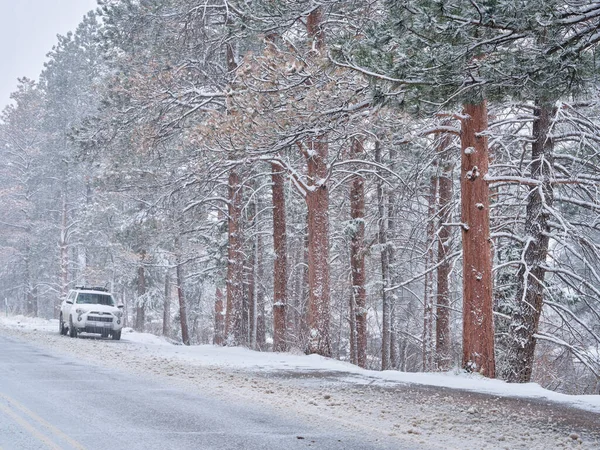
61, 326
116, 335
72, 329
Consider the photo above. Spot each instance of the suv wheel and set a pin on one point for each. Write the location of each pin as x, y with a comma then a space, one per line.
72, 329
116, 335
61, 325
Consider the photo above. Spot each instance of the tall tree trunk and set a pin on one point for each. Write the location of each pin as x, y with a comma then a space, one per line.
385, 269
478, 325
64, 251
235, 266
428, 291
219, 332
235, 263
140, 316
280, 262
167, 304
317, 202
297, 330
82, 251
357, 256
394, 273
261, 326
352, 320
442, 328
530, 290
248, 303
30, 307
183, 319
251, 275
81, 265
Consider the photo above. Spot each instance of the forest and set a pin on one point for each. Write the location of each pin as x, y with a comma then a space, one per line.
404, 185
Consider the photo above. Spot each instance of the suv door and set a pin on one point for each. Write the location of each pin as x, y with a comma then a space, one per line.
66, 305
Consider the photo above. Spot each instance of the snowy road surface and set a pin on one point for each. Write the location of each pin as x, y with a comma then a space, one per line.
51, 401
245, 392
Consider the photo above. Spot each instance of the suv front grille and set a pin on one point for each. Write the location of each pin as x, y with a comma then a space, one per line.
100, 319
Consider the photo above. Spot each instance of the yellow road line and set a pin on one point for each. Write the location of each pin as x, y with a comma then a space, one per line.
57, 432
41, 437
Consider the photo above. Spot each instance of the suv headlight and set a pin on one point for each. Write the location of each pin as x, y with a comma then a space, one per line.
80, 311
119, 314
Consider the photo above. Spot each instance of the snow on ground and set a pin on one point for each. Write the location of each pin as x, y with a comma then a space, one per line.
444, 410
243, 358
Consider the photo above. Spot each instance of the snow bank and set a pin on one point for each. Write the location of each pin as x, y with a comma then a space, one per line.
242, 358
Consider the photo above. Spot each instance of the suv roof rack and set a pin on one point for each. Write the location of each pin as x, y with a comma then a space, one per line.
91, 288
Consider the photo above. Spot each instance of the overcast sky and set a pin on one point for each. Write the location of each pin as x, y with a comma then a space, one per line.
28, 30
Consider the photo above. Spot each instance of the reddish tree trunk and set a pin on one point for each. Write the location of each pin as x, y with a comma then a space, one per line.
357, 255
442, 329
530, 291
235, 266
317, 202
183, 320
280, 263
478, 325
235, 263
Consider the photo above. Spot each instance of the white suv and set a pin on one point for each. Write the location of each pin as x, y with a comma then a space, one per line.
90, 310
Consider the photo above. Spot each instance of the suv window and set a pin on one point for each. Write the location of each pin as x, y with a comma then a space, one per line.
94, 299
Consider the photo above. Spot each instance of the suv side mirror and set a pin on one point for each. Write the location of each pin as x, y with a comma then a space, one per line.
120, 306
70, 302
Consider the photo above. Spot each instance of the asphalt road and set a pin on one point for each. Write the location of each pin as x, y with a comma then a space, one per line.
50, 401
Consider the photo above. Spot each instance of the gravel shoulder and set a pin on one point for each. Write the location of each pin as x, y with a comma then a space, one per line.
431, 416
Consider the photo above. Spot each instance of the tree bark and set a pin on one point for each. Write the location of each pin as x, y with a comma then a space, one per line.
428, 291
385, 269
64, 252
478, 325
248, 303
30, 304
317, 202
251, 276
167, 304
219, 332
394, 274
442, 328
280, 262
140, 308
357, 257
185, 335
530, 290
235, 266
261, 326
183, 319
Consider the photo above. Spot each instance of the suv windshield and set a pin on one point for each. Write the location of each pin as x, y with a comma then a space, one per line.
94, 299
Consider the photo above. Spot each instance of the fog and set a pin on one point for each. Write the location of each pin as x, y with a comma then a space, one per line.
28, 30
